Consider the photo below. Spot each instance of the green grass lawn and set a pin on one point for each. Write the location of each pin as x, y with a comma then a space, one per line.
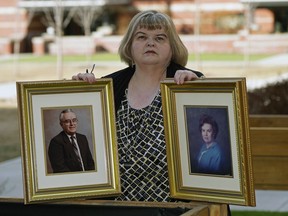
258, 213
227, 57
9, 130
115, 57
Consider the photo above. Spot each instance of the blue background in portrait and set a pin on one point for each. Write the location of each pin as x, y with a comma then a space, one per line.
220, 115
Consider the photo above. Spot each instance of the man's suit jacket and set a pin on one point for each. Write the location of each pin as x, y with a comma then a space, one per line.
62, 156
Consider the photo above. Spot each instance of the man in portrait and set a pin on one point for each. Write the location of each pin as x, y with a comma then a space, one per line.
69, 151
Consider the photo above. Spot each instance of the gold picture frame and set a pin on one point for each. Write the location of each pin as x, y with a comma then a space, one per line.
39, 106
224, 174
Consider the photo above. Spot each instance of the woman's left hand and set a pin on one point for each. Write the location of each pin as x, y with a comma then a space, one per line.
184, 75
87, 77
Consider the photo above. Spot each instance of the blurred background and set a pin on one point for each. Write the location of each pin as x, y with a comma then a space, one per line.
51, 40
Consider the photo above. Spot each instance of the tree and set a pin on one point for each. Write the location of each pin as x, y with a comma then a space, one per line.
56, 19
84, 17
18, 36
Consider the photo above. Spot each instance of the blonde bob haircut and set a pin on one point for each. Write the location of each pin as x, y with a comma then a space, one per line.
152, 20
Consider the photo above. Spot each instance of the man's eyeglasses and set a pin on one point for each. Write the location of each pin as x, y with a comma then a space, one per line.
70, 121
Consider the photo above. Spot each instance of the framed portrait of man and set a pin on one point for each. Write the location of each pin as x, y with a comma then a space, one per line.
208, 140
68, 140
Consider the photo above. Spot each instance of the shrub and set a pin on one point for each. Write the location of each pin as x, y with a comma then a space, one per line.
271, 99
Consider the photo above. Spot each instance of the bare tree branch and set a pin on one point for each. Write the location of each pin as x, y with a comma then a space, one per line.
69, 16
85, 16
49, 19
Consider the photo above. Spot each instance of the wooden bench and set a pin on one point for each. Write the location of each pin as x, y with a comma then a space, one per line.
269, 145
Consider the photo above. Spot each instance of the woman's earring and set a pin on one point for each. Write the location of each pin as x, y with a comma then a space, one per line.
133, 64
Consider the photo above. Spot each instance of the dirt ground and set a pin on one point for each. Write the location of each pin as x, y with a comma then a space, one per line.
9, 129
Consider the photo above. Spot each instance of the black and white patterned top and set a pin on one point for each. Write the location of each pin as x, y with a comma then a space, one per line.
142, 152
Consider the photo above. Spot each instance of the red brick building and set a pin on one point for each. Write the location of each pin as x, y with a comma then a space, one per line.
227, 20
13, 24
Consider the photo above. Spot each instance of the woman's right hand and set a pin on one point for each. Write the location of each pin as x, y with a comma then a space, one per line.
87, 77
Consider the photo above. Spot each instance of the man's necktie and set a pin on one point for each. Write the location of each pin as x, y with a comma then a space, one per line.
76, 151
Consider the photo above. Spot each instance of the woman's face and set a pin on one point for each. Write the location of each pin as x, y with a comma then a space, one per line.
207, 133
151, 47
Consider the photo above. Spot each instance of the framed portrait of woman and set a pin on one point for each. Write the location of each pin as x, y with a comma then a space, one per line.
208, 140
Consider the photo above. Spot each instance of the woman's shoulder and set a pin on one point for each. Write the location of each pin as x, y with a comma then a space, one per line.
120, 73
173, 67
216, 146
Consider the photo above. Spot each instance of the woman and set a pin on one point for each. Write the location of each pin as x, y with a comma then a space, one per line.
153, 50
209, 157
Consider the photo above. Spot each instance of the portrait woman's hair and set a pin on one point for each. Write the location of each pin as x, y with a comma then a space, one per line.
207, 119
152, 20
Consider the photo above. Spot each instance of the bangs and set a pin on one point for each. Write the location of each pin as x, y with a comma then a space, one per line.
153, 22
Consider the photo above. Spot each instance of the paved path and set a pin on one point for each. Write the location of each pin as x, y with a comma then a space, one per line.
267, 200
7, 90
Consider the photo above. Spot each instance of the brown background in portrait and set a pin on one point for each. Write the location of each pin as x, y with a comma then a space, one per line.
51, 126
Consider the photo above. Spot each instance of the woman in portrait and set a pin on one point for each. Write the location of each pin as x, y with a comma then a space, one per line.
210, 154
